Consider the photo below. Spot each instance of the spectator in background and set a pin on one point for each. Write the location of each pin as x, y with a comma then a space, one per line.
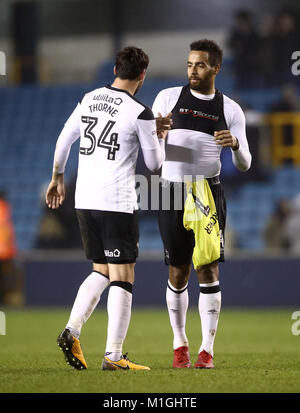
289, 100
274, 232
268, 46
244, 42
280, 40
10, 277
287, 41
59, 229
291, 229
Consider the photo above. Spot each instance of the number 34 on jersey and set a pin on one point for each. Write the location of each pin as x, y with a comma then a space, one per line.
106, 140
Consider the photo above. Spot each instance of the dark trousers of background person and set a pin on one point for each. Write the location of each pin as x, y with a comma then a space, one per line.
11, 284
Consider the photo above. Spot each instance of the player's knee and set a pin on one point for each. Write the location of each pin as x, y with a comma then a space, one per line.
208, 273
121, 272
102, 268
179, 275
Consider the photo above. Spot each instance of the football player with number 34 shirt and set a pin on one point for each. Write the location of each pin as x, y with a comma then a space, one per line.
112, 125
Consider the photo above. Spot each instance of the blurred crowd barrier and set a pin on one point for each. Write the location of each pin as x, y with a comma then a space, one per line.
245, 281
285, 141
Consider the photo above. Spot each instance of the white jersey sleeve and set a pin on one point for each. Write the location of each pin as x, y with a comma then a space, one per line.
69, 134
165, 101
152, 147
236, 122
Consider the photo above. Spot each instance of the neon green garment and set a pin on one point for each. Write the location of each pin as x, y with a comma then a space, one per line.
200, 215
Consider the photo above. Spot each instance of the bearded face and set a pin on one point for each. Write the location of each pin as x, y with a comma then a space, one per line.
200, 73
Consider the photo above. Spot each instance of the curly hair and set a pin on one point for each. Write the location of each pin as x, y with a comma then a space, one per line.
215, 53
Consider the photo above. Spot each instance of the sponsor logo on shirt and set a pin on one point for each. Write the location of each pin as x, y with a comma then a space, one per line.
198, 114
107, 98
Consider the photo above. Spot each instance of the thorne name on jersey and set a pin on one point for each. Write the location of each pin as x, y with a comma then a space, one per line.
112, 125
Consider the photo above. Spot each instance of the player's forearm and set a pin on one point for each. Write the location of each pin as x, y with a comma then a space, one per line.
241, 158
61, 156
154, 157
162, 143
62, 150
56, 175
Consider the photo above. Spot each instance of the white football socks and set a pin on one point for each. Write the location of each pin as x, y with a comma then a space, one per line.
209, 309
177, 303
119, 313
87, 298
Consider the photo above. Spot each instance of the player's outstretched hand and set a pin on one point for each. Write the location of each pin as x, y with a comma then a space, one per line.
163, 125
225, 138
55, 194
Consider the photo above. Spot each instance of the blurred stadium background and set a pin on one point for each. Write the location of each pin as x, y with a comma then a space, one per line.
58, 50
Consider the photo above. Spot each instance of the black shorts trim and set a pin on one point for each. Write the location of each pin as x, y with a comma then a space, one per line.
104, 261
178, 242
109, 237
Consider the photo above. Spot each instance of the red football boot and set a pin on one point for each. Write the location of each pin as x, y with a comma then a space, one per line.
205, 361
181, 358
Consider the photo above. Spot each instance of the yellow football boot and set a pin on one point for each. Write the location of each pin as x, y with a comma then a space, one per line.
70, 345
123, 364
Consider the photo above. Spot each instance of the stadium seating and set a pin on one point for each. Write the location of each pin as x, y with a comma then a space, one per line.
31, 119
251, 206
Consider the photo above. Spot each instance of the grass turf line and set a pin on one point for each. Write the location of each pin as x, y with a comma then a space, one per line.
255, 351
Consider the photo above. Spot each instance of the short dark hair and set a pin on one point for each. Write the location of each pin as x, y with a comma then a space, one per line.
130, 62
215, 53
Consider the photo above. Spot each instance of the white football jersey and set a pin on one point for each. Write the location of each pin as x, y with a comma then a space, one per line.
112, 125
190, 148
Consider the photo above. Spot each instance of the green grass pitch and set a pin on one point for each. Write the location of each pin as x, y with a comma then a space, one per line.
255, 352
